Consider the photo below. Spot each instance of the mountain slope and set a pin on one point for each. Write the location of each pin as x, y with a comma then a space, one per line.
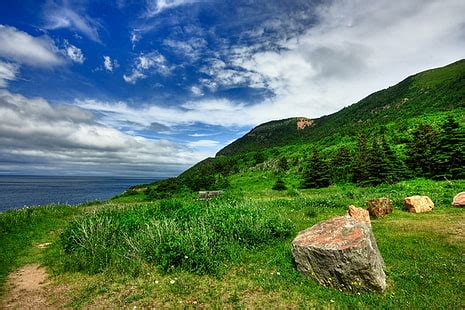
436, 90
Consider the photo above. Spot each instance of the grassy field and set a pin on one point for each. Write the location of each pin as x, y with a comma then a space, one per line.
234, 251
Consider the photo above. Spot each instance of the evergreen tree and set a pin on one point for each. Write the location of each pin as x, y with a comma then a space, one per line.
282, 164
449, 159
420, 150
279, 185
396, 168
341, 165
317, 174
360, 167
377, 165
259, 157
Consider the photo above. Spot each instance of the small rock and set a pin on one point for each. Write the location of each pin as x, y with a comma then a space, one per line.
418, 204
359, 214
459, 200
43, 245
341, 253
379, 207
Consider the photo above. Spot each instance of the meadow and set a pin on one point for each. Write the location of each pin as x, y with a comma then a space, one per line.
234, 251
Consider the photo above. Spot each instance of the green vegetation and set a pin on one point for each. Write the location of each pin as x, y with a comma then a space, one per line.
423, 252
196, 236
156, 245
413, 129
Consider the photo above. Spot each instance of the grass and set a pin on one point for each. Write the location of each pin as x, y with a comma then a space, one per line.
134, 254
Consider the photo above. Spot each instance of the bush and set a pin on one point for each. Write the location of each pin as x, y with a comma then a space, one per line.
279, 185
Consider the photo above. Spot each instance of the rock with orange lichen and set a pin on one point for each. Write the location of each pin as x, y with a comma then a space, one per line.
418, 204
341, 253
379, 207
359, 214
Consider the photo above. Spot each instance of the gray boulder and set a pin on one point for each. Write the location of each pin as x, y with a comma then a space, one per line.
341, 253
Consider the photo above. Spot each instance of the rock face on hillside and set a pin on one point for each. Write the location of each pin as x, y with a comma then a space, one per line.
379, 207
341, 253
459, 200
418, 204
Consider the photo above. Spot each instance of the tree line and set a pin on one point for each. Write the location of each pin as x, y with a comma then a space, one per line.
431, 153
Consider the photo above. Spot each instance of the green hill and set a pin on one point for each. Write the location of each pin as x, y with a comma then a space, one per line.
387, 121
436, 90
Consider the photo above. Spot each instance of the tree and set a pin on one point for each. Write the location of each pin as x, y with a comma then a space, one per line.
341, 165
317, 174
279, 185
282, 164
420, 150
449, 158
360, 167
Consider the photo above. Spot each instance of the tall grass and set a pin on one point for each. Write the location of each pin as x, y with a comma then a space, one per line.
196, 236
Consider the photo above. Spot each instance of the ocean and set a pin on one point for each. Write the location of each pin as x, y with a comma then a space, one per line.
20, 191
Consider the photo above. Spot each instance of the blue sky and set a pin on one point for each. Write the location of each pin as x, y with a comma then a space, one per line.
148, 88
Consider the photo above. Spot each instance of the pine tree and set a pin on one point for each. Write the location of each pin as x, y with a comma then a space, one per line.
449, 159
360, 167
420, 150
341, 165
377, 164
282, 164
279, 185
317, 174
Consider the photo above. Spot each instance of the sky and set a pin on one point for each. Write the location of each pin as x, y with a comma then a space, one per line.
149, 88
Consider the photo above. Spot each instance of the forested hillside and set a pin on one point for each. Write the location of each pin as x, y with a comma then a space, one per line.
413, 129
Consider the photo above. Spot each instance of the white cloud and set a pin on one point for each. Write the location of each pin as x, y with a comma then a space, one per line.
354, 49
152, 62
39, 135
155, 7
74, 53
23, 48
203, 143
197, 91
191, 49
8, 72
110, 64
63, 16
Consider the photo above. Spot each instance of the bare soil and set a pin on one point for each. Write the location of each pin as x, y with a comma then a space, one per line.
26, 289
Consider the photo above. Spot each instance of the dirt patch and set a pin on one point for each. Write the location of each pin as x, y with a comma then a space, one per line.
26, 289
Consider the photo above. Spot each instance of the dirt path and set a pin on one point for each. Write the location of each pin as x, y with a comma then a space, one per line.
26, 289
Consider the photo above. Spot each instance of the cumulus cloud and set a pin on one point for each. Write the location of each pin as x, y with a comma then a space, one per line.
39, 135
109, 64
61, 15
8, 72
149, 63
20, 47
74, 53
351, 50
197, 91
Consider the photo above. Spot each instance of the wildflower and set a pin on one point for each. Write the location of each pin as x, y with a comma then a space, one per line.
172, 282
331, 301
186, 257
278, 273
156, 282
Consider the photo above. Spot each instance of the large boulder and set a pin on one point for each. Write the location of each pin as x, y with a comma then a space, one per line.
379, 207
359, 214
418, 204
340, 253
459, 200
